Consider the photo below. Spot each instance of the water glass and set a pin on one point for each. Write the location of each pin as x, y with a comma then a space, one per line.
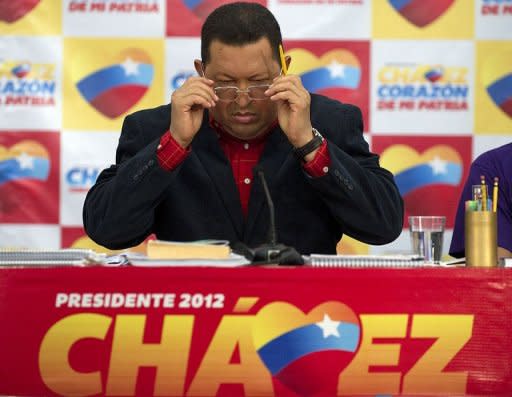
427, 236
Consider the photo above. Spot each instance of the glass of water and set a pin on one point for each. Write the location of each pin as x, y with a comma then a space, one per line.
427, 236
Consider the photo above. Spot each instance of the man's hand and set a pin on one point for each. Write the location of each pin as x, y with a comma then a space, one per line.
293, 102
187, 106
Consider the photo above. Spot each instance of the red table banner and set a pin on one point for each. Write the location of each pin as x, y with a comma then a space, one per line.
284, 332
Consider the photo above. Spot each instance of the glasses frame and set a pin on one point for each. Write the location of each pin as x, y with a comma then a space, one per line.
238, 90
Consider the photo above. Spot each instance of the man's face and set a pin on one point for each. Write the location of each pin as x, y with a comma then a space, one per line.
243, 66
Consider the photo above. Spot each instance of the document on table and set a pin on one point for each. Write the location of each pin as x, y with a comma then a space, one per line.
233, 260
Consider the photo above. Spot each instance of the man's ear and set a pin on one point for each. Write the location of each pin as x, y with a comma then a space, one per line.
198, 64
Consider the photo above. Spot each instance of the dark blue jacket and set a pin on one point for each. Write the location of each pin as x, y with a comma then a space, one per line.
199, 199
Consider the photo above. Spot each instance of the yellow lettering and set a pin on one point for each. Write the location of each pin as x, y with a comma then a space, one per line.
418, 76
170, 356
455, 75
356, 378
386, 74
5, 69
216, 368
54, 367
452, 332
403, 75
47, 71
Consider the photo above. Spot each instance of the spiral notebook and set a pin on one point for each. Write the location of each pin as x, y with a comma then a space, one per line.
317, 260
43, 257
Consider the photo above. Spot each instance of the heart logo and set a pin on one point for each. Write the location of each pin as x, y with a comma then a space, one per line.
338, 68
497, 79
21, 70
25, 160
118, 84
421, 12
425, 178
11, 11
434, 74
307, 352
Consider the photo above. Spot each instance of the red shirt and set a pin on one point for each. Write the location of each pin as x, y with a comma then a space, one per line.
243, 156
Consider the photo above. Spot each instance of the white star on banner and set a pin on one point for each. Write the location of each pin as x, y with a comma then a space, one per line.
25, 161
336, 69
130, 67
329, 327
438, 165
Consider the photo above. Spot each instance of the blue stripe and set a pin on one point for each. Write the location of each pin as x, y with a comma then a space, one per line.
433, 73
192, 3
10, 170
318, 79
501, 90
399, 4
114, 76
422, 175
280, 352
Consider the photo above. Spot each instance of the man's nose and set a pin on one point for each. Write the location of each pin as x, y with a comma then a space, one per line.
243, 98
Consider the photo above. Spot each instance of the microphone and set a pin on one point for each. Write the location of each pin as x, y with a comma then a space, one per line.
273, 252
270, 203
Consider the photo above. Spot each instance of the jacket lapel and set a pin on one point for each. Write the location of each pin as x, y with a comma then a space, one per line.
206, 147
277, 151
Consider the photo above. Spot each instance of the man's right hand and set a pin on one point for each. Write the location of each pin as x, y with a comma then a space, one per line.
187, 106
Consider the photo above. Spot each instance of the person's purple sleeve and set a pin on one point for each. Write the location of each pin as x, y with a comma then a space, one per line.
495, 163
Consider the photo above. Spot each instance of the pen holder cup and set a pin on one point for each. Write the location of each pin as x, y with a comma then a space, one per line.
481, 238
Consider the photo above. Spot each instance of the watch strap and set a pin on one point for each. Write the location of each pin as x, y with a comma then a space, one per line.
313, 144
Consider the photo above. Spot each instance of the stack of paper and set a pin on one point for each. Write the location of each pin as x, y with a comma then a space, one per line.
216, 253
204, 249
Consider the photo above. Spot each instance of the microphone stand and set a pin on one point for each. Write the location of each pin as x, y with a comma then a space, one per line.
273, 252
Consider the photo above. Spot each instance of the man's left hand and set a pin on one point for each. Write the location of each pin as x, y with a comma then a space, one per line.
293, 102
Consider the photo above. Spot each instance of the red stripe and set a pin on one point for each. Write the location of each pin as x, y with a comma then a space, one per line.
507, 107
421, 13
119, 100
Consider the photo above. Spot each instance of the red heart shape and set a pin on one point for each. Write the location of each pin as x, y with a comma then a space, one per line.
12, 10
421, 12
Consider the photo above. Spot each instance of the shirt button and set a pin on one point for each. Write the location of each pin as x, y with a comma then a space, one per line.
247, 181
246, 146
325, 170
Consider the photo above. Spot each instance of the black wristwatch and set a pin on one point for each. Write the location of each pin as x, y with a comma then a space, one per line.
316, 142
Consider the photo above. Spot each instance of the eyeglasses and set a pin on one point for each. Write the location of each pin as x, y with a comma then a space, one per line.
230, 94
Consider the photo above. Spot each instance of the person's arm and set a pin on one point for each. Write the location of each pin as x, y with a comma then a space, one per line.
361, 195
457, 244
483, 166
119, 209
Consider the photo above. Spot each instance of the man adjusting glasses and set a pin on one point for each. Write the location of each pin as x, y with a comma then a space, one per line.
185, 171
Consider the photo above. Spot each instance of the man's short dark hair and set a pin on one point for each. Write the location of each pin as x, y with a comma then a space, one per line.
237, 24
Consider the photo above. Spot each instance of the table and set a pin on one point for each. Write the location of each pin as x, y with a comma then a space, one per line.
255, 331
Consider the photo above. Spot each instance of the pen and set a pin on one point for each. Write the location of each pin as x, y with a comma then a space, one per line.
484, 193
495, 195
283, 61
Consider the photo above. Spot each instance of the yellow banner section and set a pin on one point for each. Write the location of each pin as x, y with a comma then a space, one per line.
105, 79
37, 17
493, 65
427, 19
